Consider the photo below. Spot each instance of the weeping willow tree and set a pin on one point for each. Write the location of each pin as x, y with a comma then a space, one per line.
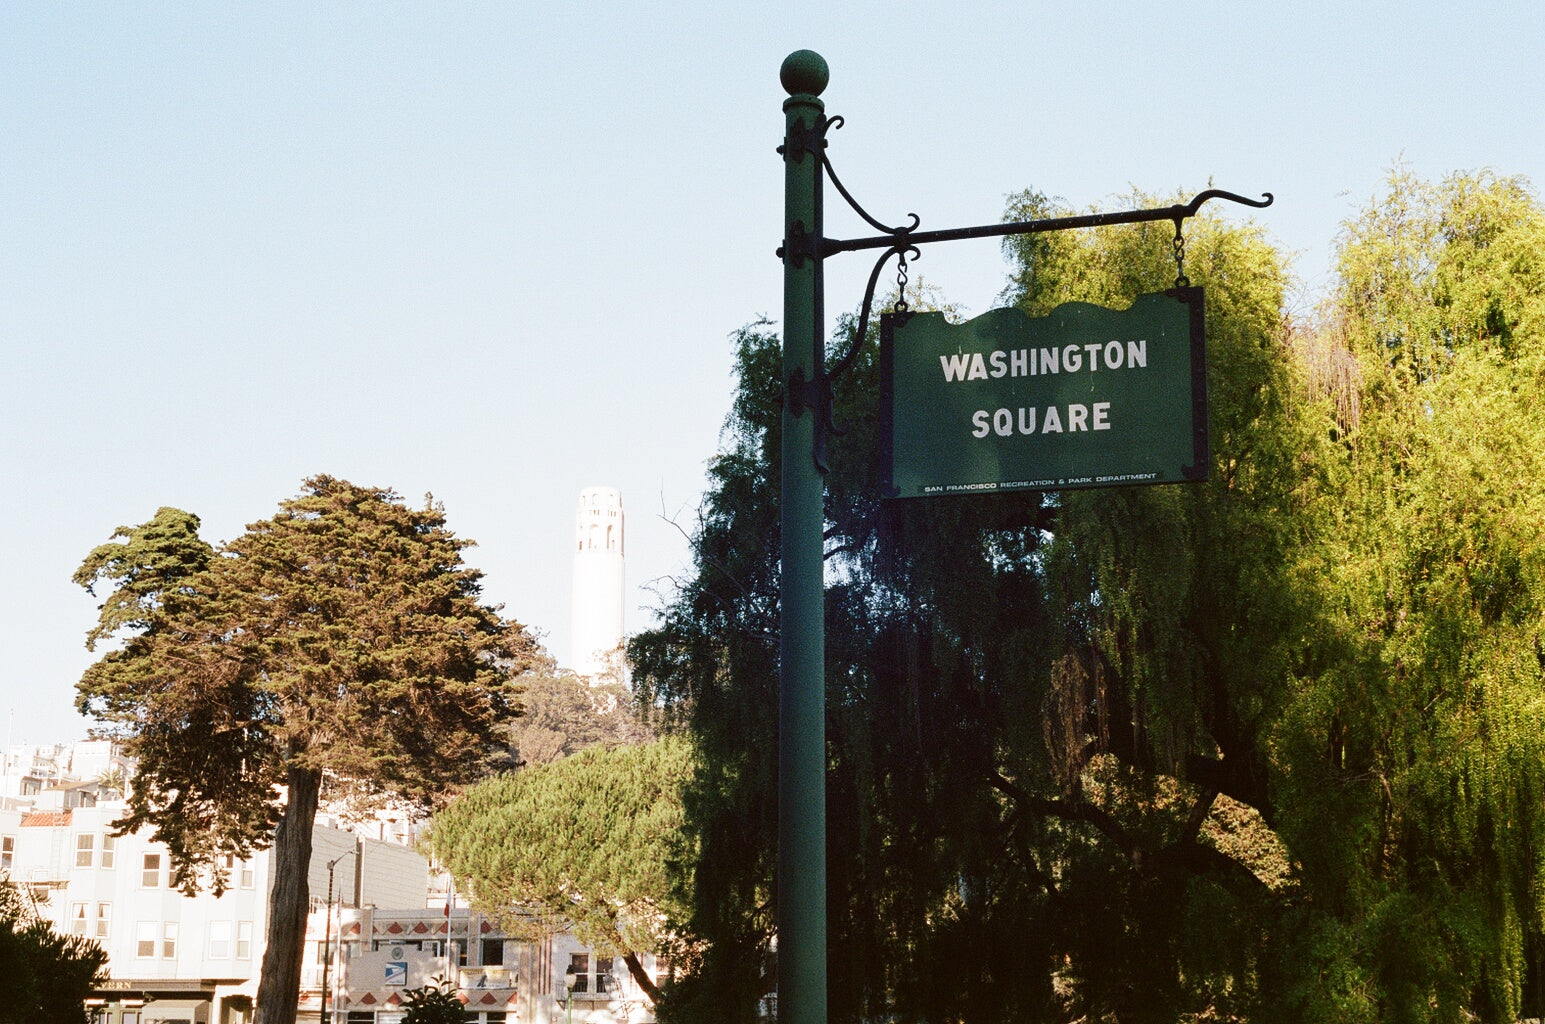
1046, 713
1411, 759
1262, 748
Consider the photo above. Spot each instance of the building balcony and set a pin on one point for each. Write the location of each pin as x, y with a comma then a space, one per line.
492, 977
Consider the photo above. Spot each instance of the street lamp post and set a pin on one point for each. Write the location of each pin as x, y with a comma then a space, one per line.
327, 934
570, 979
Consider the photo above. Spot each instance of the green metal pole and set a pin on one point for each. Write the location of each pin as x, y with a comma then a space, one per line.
801, 912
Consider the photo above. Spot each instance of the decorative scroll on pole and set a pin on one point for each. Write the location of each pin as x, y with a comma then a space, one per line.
801, 893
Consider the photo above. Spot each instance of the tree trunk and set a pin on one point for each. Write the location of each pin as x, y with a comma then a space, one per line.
641, 976
289, 900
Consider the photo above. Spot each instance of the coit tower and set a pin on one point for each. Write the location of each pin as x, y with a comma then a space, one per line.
598, 600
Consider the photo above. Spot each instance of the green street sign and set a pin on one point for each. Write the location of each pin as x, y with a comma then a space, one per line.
1083, 397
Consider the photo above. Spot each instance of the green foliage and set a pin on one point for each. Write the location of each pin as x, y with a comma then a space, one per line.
564, 713
1033, 700
585, 842
433, 1004
48, 976
1265, 748
143, 563
1411, 760
340, 641
713, 662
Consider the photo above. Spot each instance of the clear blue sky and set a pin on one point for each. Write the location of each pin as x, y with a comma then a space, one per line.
496, 255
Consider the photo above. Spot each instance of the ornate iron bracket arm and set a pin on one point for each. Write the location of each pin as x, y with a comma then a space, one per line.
1180, 211
899, 246
903, 241
837, 122
828, 396
899, 241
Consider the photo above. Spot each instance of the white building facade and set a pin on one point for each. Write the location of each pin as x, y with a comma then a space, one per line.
179, 959
175, 958
379, 955
171, 957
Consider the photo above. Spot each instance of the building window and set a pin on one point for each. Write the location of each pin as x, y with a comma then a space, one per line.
169, 941
150, 871
240, 873
7, 852
579, 965
109, 849
145, 939
361, 1017
493, 952
77, 919
85, 850
244, 940
603, 974
219, 940
104, 919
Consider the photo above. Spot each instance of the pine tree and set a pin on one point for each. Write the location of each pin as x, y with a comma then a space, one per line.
582, 843
340, 643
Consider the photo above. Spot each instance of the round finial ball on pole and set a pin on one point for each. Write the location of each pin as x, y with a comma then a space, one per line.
804, 71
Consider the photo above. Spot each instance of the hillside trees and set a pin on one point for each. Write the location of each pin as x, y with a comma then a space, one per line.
340, 643
564, 713
584, 842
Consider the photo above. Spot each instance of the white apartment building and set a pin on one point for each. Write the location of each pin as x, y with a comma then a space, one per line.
178, 959
175, 958
185, 957
59, 775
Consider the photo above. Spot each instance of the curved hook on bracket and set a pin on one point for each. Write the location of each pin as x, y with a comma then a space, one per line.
903, 249
836, 122
1217, 193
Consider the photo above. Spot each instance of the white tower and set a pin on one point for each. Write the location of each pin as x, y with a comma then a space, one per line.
598, 600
